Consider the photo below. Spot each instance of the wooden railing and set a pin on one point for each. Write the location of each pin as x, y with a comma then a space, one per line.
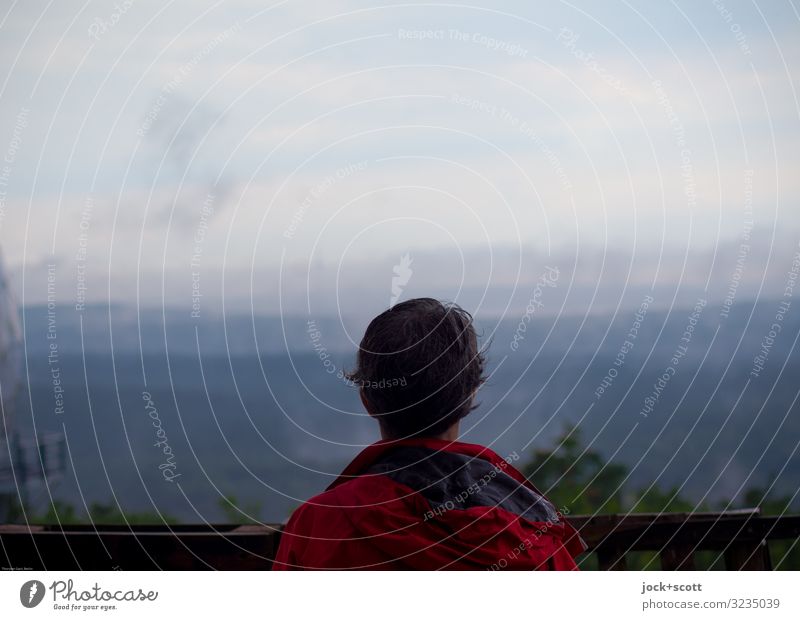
139, 547
740, 536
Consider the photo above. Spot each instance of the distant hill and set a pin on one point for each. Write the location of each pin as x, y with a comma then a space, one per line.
277, 427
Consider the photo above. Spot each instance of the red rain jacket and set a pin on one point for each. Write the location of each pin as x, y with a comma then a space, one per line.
427, 504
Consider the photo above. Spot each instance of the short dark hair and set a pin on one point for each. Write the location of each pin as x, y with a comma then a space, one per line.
419, 366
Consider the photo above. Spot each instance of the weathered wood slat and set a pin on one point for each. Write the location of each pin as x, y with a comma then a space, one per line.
677, 557
612, 558
748, 555
151, 548
740, 535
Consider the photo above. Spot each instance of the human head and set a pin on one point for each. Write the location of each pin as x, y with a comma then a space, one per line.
419, 367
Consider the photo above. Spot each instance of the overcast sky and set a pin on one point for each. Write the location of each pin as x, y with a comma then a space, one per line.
167, 139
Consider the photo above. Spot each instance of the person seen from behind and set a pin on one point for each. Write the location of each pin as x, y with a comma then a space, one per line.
419, 499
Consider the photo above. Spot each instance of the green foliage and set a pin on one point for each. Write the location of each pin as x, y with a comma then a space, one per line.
109, 514
63, 513
58, 512
582, 481
235, 513
785, 554
653, 499
770, 505
577, 478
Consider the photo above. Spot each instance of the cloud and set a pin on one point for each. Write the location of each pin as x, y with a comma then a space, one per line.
571, 140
